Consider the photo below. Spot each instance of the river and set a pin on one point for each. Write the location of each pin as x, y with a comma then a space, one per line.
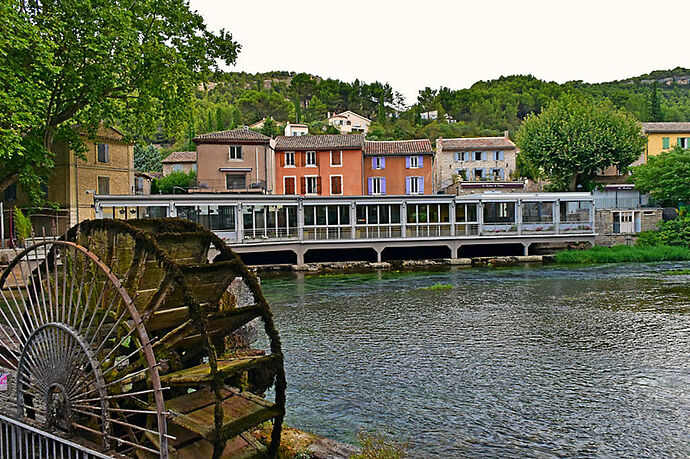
530, 361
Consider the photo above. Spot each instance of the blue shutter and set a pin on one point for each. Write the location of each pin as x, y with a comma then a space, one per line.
370, 185
373, 162
382, 162
407, 162
383, 185
457, 156
421, 162
407, 185
502, 173
466, 156
421, 185
500, 156
483, 156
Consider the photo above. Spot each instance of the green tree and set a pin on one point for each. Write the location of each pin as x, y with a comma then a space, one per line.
654, 104
147, 159
576, 137
87, 62
270, 127
174, 182
666, 176
317, 110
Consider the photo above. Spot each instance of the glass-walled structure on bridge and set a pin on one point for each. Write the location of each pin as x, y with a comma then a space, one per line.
264, 218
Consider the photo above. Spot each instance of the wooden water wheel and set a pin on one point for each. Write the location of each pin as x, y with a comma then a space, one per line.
124, 336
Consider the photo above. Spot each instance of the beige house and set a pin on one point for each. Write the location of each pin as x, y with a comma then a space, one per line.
293, 130
474, 159
108, 168
238, 160
179, 161
348, 122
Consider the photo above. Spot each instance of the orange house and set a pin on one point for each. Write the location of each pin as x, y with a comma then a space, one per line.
319, 165
398, 167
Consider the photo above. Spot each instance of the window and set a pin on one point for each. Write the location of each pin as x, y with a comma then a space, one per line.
336, 158
177, 168
666, 143
498, 156
336, 184
376, 185
103, 185
497, 173
310, 158
414, 185
477, 155
413, 162
290, 186
234, 152
290, 158
194, 167
684, 142
235, 181
478, 174
11, 192
103, 153
378, 162
311, 185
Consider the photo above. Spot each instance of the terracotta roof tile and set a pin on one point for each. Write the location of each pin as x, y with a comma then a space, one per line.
233, 135
319, 142
181, 157
476, 143
397, 147
665, 127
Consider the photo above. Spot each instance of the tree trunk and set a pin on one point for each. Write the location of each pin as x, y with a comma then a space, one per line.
572, 185
8, 180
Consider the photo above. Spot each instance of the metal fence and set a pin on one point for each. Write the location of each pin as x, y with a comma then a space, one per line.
22, 441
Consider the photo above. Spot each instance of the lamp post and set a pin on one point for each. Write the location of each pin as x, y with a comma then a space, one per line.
181, 188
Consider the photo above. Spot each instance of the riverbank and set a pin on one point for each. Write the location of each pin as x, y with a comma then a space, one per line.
623, 253
358, 266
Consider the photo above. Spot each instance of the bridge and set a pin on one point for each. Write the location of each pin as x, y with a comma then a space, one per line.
303, 227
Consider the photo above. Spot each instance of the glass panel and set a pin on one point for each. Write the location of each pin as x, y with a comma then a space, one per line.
223, 218
460, 213
203, 216
247, 218
383, 213
445, 213
433, 213
309, 215
471, 212
292, 216
412, 213
271, 217
499, 212
575, 211
320, 215
373, 218
395, 213
361, 215
332, 215
537, 212
344, 215
260, 217
187, 212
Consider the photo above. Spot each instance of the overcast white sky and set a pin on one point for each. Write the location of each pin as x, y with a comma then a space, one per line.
413, 44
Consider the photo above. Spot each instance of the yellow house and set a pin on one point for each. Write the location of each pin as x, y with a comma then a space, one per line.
106, 168
664, 136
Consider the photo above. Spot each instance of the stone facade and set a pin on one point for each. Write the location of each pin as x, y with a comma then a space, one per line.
74, 180
609, 233
473, 159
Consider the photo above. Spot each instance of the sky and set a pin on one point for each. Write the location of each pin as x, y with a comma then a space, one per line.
414, 44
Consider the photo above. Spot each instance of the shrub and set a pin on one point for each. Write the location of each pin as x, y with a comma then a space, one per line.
22, 224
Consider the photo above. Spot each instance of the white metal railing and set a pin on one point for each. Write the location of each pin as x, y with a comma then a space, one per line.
22, 441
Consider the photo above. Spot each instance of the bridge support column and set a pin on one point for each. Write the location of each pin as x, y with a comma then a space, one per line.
379, 251
299, 251
526, 248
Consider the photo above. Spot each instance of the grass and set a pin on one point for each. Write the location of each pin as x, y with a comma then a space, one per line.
380, 446
624, 253
440, 287
678, 272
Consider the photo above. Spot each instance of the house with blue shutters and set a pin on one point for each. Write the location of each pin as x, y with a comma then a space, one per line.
473, 159
398, 167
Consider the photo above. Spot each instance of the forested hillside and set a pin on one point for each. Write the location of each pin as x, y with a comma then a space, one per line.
486, 108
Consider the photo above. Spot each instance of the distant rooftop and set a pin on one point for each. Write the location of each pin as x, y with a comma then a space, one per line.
397, 147
476, 143
650, 128
319, 142
241, 135
181, 157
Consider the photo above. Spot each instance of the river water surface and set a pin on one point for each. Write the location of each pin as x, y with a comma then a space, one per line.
543, 361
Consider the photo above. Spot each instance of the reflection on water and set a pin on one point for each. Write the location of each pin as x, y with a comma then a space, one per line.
529, 361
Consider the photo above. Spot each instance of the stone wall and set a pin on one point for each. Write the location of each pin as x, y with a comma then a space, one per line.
649, 220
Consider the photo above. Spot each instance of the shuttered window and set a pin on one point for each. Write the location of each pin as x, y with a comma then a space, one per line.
103, 153
103, 185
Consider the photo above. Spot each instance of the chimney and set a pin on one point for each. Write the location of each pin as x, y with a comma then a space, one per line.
505, 134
